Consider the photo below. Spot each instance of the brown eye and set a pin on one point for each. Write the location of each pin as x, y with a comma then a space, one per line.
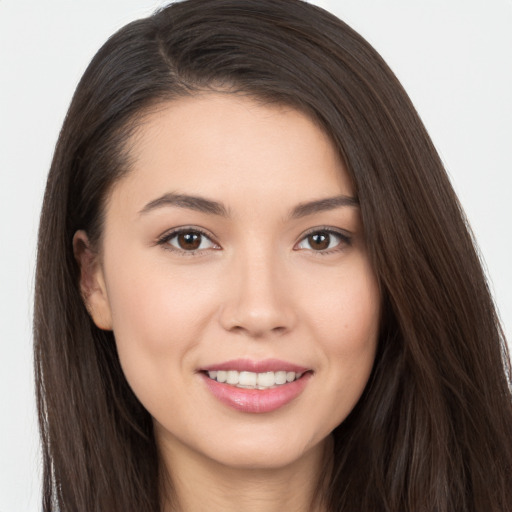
319, 241
324, 241
189, 241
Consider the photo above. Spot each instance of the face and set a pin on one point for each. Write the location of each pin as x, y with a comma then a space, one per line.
234, 275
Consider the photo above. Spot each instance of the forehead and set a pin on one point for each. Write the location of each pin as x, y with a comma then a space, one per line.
227, 147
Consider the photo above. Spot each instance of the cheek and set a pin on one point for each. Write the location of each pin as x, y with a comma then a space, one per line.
154, 308
346, 309
345, 320
158, 317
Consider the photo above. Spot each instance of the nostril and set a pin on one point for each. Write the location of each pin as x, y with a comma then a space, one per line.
257, 331
257, 318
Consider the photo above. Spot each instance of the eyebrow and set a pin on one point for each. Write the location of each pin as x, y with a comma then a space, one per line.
199, 204
210, 207
321, 205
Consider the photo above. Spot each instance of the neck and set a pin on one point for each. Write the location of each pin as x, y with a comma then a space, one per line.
204, 484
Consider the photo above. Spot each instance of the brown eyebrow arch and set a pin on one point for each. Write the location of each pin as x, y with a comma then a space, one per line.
321, 205
211, 207
196, 203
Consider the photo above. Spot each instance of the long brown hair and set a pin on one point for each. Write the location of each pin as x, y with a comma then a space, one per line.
433, 429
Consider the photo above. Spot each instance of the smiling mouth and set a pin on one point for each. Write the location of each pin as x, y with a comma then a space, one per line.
252, 380
253, 386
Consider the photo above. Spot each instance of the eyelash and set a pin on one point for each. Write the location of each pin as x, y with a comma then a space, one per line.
164, 240
345, 240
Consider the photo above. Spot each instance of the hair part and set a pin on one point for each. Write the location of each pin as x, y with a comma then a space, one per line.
433, 428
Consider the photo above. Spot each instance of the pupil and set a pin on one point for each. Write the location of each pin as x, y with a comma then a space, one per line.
189, 241
319, 241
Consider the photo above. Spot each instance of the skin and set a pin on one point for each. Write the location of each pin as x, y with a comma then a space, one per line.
256, 288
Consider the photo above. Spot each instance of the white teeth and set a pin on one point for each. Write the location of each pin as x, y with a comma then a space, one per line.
232, 377
251, 380
247, 379
266, 379
280, 377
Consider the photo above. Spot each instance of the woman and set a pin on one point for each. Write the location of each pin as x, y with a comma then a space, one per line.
255, 286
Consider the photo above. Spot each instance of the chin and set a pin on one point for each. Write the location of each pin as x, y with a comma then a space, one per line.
264, 453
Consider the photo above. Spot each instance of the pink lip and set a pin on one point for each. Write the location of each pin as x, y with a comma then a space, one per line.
256, 400
248, 365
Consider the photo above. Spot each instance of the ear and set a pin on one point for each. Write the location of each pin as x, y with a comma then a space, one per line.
92, 282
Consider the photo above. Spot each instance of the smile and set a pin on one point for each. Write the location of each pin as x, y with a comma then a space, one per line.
252, 380
256, 386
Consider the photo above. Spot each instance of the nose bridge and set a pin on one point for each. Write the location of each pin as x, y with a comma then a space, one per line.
259, 303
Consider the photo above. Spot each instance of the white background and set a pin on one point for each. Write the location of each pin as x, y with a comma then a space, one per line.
454, 57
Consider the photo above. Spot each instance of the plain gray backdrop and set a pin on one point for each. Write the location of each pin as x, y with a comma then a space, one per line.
454, 58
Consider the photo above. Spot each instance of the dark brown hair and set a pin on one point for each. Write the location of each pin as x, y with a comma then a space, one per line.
433, 429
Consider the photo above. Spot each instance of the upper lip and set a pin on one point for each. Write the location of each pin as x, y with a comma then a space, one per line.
249, 365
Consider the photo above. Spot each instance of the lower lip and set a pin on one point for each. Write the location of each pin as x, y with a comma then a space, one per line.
257, 400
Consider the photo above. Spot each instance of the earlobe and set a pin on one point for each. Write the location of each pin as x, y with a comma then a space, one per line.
92, 282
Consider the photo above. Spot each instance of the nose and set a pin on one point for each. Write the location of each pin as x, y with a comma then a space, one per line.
258, 297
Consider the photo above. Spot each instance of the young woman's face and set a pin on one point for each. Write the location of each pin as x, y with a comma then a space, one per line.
233, 255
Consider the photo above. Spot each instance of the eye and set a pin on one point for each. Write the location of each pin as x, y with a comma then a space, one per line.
324, 240
188, 240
